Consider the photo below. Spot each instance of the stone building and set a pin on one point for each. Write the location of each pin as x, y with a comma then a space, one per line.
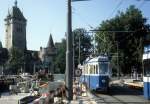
15, 36
15, 24
47, 55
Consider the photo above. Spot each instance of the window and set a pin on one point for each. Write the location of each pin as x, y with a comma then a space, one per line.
96, 69
93, 70
103, 68
19, 29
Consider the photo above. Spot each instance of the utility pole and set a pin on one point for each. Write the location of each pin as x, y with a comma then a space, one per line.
34, 70
118, 70
94, 44
79, 49
69, 53
73, 58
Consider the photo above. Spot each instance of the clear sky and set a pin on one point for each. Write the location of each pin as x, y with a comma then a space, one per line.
49, 16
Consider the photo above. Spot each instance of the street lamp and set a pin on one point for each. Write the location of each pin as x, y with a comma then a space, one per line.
69, 51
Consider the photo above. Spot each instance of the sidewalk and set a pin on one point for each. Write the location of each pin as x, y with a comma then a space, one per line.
89, 99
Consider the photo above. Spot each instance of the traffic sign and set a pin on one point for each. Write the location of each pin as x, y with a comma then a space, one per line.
78, 72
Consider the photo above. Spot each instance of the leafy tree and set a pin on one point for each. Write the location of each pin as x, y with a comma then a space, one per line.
60, 60
128, 44
82, 44
16, 60
85, 46
3, 56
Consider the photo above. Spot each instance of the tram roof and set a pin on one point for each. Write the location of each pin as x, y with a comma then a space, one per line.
96, 59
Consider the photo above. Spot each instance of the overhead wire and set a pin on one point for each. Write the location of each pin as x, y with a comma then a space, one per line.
141, 4
81, 18
117, 6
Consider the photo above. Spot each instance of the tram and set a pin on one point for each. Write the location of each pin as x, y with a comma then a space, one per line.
96, 73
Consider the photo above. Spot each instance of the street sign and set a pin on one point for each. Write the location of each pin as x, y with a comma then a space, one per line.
78, 72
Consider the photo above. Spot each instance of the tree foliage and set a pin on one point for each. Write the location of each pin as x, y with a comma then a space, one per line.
82, 44
60, 60
129, 44
85, 46
3, 56
16, 60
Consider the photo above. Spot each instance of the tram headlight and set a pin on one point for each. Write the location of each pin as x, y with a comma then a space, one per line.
103, 81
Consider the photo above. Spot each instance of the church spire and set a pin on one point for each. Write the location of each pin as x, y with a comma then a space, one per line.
50, 42
16, 3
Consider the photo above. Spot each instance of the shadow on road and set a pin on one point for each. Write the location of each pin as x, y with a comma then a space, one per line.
116, 89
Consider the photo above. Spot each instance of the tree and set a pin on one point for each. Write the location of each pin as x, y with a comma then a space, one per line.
128, 45
82, 45
60, 60
16, 60
3, 58
85, 46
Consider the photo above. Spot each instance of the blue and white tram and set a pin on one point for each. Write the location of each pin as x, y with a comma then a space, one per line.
96, 73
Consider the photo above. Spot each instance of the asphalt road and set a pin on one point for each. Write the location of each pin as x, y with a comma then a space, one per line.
119, 94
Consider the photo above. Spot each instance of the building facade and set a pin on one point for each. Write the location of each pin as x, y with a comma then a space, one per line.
47, 55
15, 31
15, 37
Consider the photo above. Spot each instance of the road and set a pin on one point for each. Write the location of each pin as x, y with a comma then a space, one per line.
119, 94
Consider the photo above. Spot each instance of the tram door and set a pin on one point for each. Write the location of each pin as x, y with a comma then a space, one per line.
146, 78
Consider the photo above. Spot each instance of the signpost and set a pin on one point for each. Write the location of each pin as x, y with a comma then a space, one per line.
78, 72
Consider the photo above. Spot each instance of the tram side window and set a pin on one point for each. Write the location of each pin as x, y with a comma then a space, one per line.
86, 69
96, 69
91, 69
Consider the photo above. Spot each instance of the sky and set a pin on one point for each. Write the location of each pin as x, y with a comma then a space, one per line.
45, 17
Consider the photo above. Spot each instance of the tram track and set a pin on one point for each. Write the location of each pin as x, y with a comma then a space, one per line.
102, 100
120, 95
99, 99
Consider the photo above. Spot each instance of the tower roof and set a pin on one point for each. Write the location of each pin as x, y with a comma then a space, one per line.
50, 43
16, 13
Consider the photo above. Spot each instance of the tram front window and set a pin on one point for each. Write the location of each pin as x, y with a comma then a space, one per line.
103, 68
147, 68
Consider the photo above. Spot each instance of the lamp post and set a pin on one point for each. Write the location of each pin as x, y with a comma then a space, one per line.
69, 52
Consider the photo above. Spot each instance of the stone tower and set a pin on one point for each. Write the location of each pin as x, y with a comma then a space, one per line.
15, 31
47, 55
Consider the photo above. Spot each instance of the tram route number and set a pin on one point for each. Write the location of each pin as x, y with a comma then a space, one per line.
78, 72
